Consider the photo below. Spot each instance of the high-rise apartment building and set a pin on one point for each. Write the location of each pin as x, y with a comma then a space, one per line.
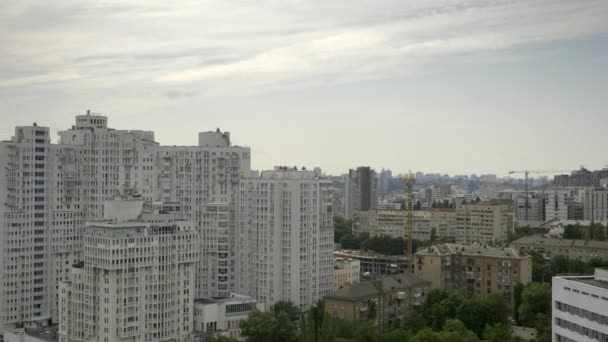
535, 204
285, 237
580, 307
136, 280
361, 190
556, 203
485, 222
595, 204
50, 190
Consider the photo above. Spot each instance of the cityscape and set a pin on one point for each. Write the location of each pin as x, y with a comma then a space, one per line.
303, 171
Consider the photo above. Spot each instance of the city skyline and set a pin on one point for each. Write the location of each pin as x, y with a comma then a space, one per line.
481, 87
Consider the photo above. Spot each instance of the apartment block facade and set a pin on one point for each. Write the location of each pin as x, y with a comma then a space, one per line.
485, 222
477, 269
579, 308
285, 237
361, 190
346, 272
136, 280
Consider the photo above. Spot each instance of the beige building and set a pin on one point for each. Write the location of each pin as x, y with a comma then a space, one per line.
478, 269
392, 223
485, 222
387, 299
577, 249
375, 264
346, 272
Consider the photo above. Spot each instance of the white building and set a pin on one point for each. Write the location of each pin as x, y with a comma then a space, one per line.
50, 190
346, 272
136, 282
222, 316
595, 204
580, 308
535, 207
556, 204
285, 237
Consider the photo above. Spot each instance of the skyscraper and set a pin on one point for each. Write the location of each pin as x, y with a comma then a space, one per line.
285, 237
361, 190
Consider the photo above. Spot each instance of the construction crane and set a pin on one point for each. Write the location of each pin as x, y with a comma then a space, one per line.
409, 223
526, 173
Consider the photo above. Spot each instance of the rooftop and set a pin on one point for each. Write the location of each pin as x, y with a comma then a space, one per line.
348, 253
541, 240
370, 288
48, 333
476, 250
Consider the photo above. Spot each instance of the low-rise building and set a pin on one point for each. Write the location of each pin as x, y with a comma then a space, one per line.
387, 299
375, 264
222, 316
580, 308
41, 334
577, 249
346, 272
478, 269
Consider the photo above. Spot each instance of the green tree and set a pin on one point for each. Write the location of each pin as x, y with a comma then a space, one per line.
413, 321
543, 327
342, 227
518, 290
397, 335
366, 332
266, 327
427, 335
572, 232
536, 299
371, 310
316, 326
496, 333
348, 241
292, 311
455, 331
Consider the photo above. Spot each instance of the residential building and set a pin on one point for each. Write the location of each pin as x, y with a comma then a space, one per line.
595, 204
556, 203
536, 207
437, 223
384, 179
346, 272
136, 280
390, 297
579, 307
477, 269
50, 190
361, 190
373, 264
484, 222
285, 237
222, 315
576, 249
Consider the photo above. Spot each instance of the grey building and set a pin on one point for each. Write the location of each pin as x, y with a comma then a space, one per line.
361, 190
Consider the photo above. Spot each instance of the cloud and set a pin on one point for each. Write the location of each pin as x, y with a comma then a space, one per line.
236, 44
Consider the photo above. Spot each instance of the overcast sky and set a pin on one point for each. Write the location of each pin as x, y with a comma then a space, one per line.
471, 86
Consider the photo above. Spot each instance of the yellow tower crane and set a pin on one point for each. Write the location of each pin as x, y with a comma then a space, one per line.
409, 223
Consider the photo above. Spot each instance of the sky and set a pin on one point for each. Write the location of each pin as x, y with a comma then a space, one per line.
458, 87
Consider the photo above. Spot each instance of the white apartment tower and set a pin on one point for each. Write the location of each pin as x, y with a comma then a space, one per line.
595, 204
285, 237
49, 190
136, 282
556, 204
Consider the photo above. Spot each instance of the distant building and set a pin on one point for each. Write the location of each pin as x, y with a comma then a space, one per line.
285, 237
42, 334
391, 297
346, 272
383, 205
361, 190
536, 207
595, 204
392, 223
136, 282
580, 307
484, 222
477, 269
576, 249
223, 315
373, 264
384, 180
556, 204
